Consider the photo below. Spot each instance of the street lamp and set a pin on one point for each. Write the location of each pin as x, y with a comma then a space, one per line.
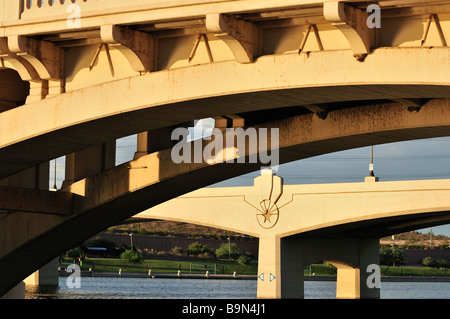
55, 188
371, 162
131, 236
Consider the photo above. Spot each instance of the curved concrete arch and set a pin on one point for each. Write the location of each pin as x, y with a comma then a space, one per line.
300, 137
17, 63
66, 123
330, 209
117, 194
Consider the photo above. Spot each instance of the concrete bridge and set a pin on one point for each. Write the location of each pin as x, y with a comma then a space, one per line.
301, 224
328, 75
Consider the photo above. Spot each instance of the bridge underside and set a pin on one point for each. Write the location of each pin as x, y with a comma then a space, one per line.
121, 192
287, 85
301, 224
148, 71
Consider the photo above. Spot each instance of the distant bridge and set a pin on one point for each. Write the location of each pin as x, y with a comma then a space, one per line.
301, 224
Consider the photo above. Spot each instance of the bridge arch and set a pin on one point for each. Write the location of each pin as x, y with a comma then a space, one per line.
319, 83
274, 92
114, 195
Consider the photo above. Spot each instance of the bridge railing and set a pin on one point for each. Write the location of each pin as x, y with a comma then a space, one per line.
30, 9
10, 10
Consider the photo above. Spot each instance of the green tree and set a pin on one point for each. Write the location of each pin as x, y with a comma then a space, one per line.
226, 250
197, 249
132, 256
436, 264
429, 262
244, 261
392, 256
177, 251
194, 249
74, 252
444, 264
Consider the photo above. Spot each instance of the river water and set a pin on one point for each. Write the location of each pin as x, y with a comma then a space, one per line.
145, 288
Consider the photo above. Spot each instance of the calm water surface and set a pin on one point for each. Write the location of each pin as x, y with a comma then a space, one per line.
143, 288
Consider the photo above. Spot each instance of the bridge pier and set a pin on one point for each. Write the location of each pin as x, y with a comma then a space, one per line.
47, 275
282, 263
269, 268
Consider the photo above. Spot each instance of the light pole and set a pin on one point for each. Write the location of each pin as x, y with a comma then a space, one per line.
229, 248
131, 236
431, 238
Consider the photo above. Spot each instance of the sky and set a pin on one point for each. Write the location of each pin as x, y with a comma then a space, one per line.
413, 160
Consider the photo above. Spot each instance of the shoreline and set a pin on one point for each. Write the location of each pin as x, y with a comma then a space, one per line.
85, 273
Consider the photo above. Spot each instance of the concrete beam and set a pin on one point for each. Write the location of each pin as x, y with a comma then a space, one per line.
353, 24
320, 110
21, 65
240, 36
181, 95
138, 47
15, 199
44, 56
140, 109
304, 209
412, 104
236, 121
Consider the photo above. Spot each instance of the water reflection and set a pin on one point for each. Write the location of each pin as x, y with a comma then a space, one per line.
141, 288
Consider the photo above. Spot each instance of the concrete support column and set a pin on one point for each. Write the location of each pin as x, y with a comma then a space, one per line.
46, 276
348, 281
89, 162
369, 254
142, 145
269, 268
351, 256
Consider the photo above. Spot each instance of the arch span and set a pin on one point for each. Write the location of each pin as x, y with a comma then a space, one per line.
117, 194
76, 120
